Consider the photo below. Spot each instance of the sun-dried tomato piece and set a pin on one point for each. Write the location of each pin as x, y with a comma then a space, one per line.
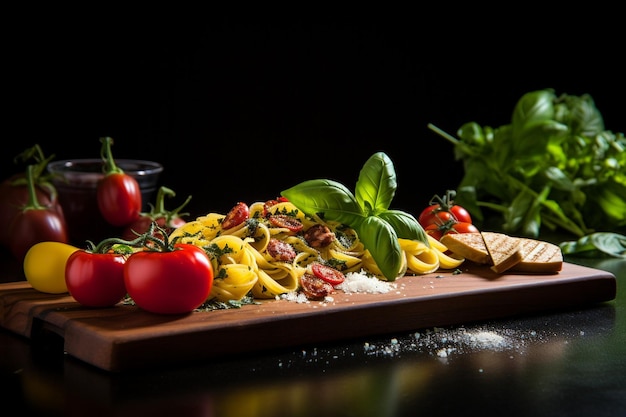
315, 288
286, 221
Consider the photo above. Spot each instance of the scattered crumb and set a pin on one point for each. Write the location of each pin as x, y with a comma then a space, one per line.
442, 342
294, 296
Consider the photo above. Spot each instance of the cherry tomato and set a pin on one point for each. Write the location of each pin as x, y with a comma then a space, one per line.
285, 221
437, 231
118, 194
434, 231
237, 215
169, 282
460, 214
270, 203
96, 279
327, 273
442, 210
434, 215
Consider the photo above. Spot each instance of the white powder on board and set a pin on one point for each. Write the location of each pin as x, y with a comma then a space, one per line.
360, 282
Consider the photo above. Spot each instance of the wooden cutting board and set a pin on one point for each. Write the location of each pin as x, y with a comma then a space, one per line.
125, 337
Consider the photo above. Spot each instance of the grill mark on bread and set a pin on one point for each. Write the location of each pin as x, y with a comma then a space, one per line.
505, 251
539, 257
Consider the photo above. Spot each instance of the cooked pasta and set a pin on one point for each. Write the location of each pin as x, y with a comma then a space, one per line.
244, 264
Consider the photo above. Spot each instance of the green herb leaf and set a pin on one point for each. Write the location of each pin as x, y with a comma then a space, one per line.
376, 185
554, 165
380, 238
596, 245
326, 198
368, 213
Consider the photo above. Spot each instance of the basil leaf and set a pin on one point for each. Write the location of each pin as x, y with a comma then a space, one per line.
381, 240
580, 113
533, 107
405, 225
596, 244
326, 197
553, 143
376, 185
368, 213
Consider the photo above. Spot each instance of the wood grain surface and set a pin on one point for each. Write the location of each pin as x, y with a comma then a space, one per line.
125, 337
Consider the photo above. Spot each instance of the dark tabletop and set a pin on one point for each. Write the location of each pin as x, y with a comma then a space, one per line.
559, 363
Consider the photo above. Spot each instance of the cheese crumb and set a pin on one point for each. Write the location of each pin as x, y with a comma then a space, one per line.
362, 282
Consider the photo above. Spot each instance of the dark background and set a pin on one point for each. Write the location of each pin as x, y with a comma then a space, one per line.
242, 108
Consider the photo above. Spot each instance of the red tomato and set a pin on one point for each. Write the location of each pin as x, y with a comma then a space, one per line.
434, 231
327, 273
442, 209
171, 282
119, 198
236, 216
434, 215
32, 226
118, 194
96, 279
14, 196
34, 223
460, 214
437, 231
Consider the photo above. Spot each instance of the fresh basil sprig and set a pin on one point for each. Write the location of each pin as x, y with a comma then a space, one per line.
367, 211
555, 165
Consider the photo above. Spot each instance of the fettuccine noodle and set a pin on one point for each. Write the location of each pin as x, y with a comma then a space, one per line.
243, 266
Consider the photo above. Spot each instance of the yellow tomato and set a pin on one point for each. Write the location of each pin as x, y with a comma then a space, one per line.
44, 266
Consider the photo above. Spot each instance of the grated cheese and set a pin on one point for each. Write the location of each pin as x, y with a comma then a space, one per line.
362, 282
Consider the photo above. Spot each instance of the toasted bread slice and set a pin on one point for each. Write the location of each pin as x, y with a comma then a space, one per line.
505, 251
470, 246
539, 257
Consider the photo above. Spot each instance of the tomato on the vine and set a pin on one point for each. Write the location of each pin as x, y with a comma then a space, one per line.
34, 223
433, 214
437, 231
96, 279
15, 194
442, 210
118, 194
175, 280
